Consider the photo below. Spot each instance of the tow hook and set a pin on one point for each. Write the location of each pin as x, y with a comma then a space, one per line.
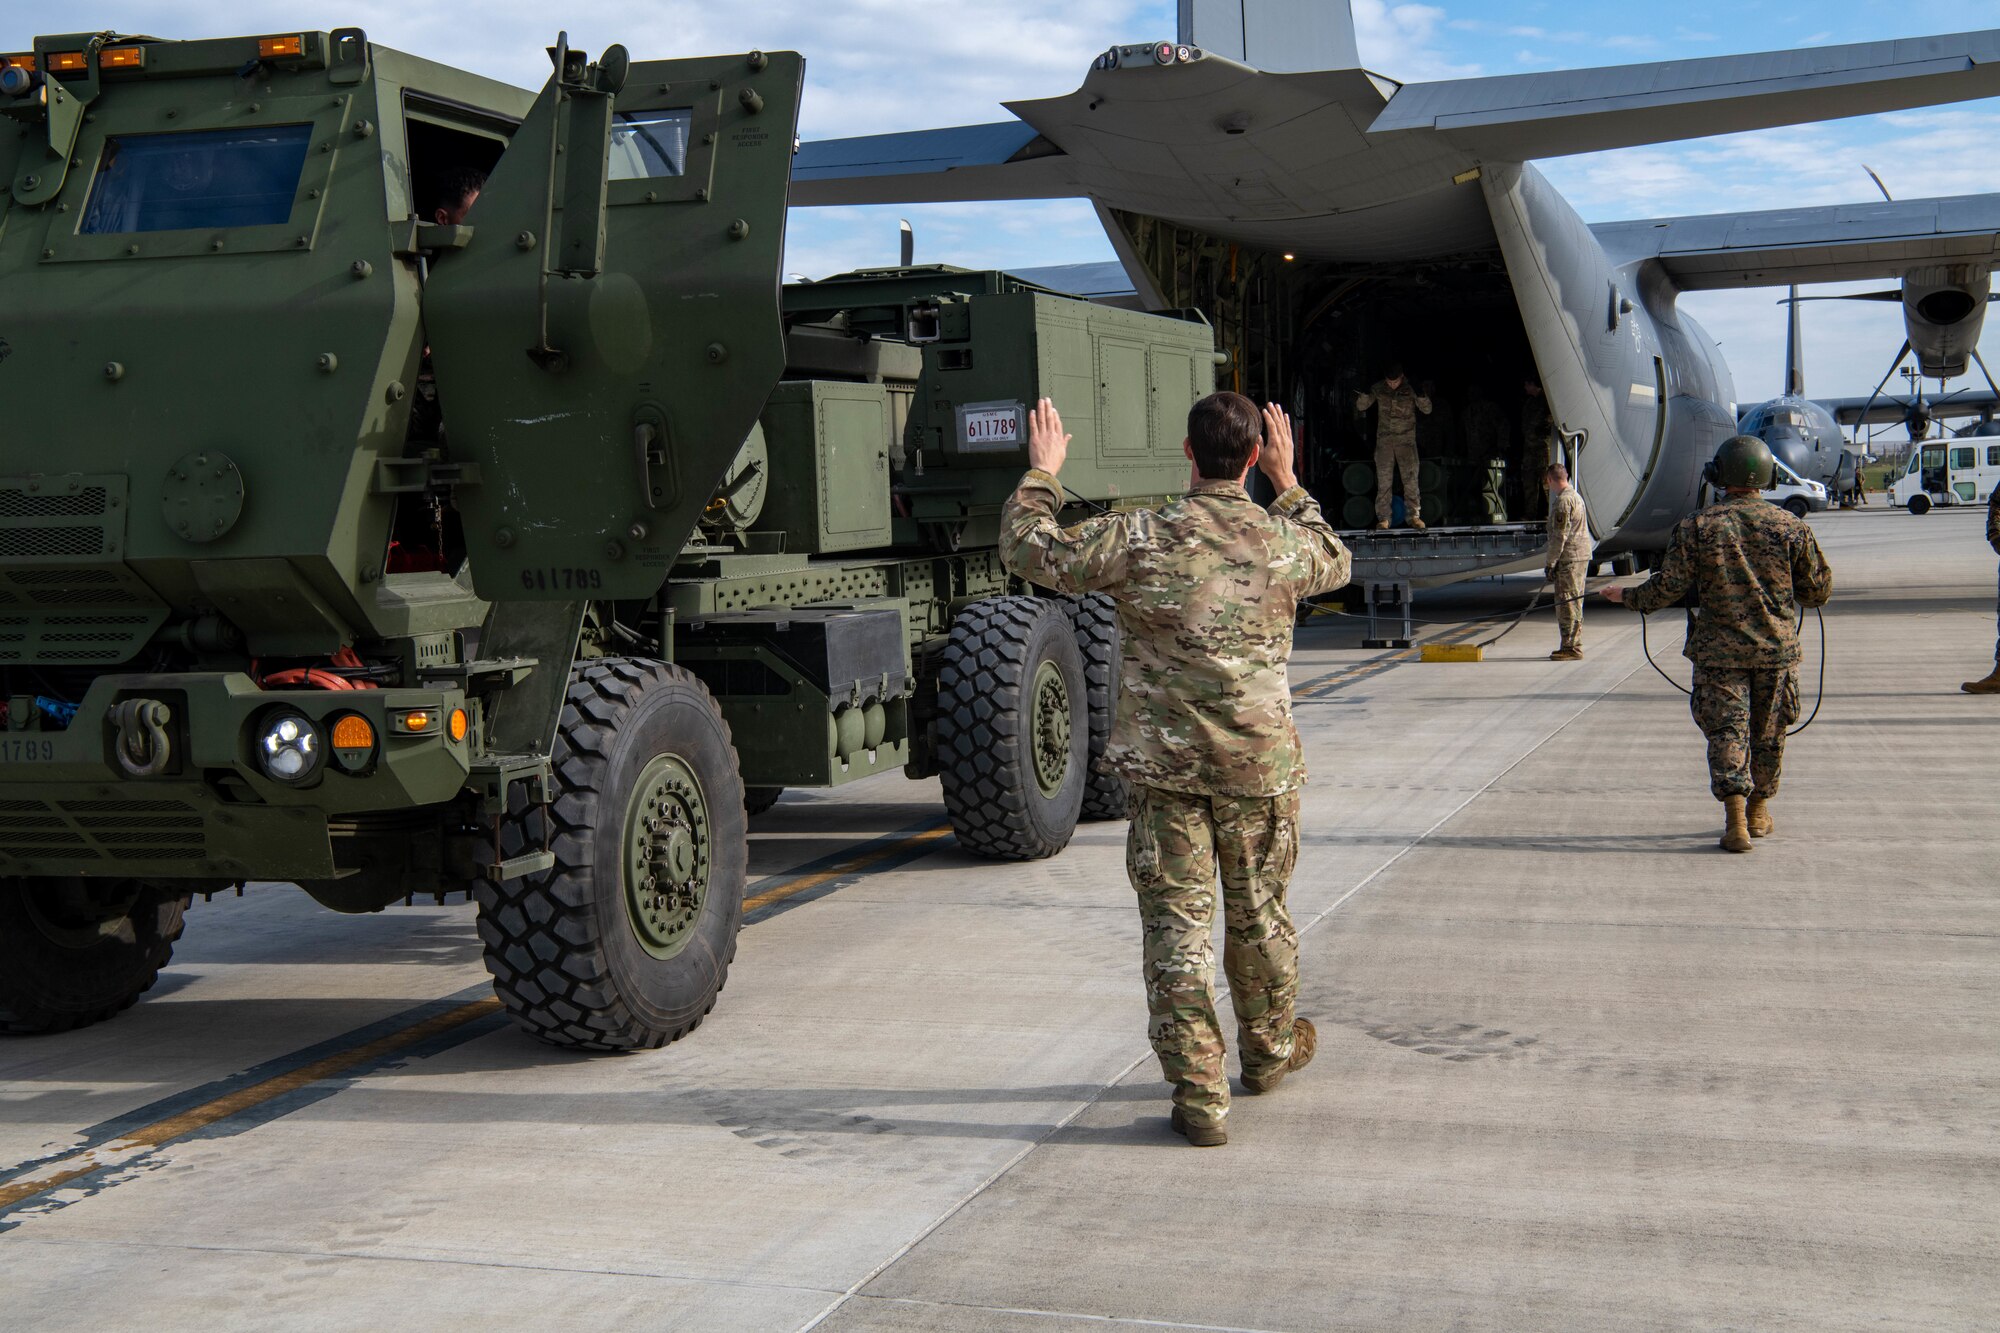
143, 745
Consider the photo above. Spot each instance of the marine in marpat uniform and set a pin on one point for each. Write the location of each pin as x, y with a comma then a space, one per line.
1990, 683
1207, 589
1752, 565
1567, 562
1396, 406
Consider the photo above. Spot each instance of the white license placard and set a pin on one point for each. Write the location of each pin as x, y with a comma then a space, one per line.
991, 427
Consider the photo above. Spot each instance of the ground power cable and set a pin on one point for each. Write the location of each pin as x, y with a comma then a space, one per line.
1820, 690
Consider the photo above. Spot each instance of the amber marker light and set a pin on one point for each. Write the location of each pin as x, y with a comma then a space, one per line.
414, 721
456, 726
121, 57
271, 48
66, 62
353, 742
25, 60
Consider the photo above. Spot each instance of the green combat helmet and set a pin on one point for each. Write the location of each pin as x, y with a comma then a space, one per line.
1741, 461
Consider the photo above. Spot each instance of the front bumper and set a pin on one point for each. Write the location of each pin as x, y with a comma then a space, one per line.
67, 807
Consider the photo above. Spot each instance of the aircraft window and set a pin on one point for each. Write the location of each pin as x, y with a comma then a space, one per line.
648, 144
1962, 458
1993, 455
205, 178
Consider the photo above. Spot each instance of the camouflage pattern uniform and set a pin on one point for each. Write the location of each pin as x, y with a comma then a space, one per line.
1395, 445
1752, 565
1993, 540
1207, 588
1537, 436
1567, 563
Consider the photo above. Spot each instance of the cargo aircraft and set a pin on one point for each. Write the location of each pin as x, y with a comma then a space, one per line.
1328, 220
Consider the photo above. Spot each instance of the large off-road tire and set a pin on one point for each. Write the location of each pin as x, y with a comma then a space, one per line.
1013, 728
75, 951
756, 800
626, 942
1095, 618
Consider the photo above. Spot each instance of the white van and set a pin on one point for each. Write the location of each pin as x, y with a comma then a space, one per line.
1794, 492
1948, 472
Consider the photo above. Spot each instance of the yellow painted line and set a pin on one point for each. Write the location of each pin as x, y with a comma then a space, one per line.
125, 1148
792, 888
61, 1171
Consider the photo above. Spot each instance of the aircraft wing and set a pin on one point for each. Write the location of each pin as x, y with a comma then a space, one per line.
1888, 411
1808, 245
1520, 117
1009, 160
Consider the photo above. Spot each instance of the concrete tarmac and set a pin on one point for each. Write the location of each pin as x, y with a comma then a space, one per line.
1578, 1068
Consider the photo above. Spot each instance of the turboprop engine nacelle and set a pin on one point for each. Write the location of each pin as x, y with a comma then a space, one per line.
1944, 309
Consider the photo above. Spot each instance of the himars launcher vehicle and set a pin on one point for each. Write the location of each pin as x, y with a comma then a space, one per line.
385, 556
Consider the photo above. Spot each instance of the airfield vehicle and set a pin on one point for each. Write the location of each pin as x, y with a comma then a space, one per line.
514, 556
1947, 472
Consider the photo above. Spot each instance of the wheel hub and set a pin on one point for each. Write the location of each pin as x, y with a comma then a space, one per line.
1049, 727
666, 855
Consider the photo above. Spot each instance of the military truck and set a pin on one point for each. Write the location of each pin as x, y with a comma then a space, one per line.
347, 544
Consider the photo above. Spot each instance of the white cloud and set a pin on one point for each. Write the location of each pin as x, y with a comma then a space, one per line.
1401, 41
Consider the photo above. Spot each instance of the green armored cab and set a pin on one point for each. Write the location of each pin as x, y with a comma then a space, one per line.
523, 555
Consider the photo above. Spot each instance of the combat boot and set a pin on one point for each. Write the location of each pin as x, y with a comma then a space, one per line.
1987, 684
1201, 1136
1305, 1040
1381, 525
1758, 816
1566, 655
1736, 836
1417, 523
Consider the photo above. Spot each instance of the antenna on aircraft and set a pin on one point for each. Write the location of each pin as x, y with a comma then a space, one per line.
909, 243
1878, 182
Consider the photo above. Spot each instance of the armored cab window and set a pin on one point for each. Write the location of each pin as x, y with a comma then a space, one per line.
646, 145
205, 178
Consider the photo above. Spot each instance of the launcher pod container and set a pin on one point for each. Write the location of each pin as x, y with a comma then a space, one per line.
350, 542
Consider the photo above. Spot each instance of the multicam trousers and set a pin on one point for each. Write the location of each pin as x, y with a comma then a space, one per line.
1391, 454
1568, 578
1745, 715
1177, 842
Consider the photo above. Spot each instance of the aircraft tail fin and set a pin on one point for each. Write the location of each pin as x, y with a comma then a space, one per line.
1795, 349
1279, 36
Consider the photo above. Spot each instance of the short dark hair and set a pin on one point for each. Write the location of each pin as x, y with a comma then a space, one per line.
1394, 372
458, 185
1556, 472
1224, 430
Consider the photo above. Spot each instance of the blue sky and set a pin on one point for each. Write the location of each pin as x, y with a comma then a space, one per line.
878, 65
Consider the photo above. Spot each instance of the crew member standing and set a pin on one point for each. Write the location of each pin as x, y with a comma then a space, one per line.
1396, 405
1990, 683
1752, 565
1537, 440
1207, 588
1568, 561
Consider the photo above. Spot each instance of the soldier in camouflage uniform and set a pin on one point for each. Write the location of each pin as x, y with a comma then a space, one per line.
1990, 683
1567, 562
1396, 406
1752, 565
1207, 589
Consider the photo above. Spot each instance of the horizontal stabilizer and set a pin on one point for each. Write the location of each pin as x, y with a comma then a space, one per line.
1519, 117
1839, 243
1008, 160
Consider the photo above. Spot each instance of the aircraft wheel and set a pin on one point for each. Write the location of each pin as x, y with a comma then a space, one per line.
626, 942
1095, 618
1920, 505
75, 951
1013, 728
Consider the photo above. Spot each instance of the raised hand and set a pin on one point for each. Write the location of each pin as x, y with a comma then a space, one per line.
1047, 445
1275, 461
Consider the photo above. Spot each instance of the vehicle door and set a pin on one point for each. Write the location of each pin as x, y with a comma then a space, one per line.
606, 335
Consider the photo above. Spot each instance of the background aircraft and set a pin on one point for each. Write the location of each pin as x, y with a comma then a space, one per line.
1328, 220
